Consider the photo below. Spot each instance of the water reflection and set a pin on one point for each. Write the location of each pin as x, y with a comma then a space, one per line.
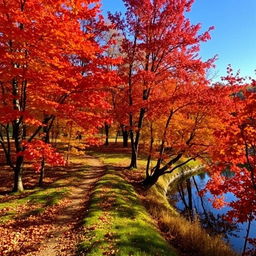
189, 202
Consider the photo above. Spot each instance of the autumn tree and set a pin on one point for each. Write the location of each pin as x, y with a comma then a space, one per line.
44, 75
111, 38
182, 122
234, 151
159, 43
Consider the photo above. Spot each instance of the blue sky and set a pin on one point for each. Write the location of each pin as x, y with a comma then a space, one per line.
234, 37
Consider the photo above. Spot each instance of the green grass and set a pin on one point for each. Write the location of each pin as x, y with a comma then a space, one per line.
118, 224
112, 158
118, 159
39, 198
45, 197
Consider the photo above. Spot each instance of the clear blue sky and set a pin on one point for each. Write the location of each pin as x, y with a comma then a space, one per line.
234, 37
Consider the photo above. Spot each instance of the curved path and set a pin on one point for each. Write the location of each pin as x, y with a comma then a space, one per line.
67, 230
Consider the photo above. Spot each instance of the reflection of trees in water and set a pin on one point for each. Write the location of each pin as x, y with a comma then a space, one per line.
195, 206
215, 224
202, 176
188, 204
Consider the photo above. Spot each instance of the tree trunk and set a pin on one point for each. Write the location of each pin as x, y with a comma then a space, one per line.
117, 134
18, 184
150, 180
107, 134
150, 149
135, 141
133, 163
125, 137
19, 133
46, 139
134, 153
246, 237
41, 177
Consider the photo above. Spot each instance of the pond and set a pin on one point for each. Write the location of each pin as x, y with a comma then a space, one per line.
211, 219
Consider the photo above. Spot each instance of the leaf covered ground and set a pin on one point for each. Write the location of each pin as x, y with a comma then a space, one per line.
46, 221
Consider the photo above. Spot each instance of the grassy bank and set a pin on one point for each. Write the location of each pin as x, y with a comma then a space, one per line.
118, 224
187, 236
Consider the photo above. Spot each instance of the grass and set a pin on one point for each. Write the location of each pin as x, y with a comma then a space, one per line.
118, 224
35, 201
187, 236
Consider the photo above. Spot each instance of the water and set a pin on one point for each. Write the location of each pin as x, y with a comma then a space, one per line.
211, 218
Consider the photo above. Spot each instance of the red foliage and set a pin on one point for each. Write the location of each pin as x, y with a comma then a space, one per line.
234, 151
37, 150
51, 66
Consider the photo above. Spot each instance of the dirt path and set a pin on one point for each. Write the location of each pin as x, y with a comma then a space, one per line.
67, 227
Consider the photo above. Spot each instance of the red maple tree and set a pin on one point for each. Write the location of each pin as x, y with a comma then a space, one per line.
159, 43
234, 151
51, 65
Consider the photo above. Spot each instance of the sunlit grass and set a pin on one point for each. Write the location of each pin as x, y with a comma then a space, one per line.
118, 224
38, 199
114, 158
